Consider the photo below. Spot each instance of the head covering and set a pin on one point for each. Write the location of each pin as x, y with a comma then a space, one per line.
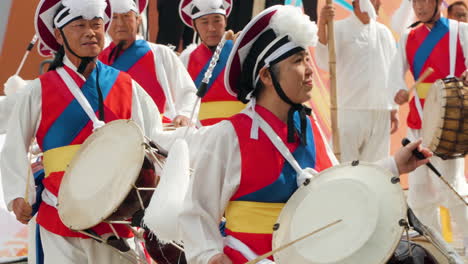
51, 14
272, 36
190, 10
43, 50
124, 6
367, 7
403, 17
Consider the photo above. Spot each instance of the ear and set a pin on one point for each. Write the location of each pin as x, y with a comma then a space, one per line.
139, 20
265, 77
58, 36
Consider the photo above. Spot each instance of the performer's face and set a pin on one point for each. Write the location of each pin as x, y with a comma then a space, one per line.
124, 27
424, 9
295, 77
211, 28
459, 13
85, 37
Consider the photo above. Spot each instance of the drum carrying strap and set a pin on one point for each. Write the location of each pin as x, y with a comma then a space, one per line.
302, 174
453, 25
78, 94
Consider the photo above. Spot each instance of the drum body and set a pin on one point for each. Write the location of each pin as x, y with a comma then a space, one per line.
364, 197
445, 119
101, 182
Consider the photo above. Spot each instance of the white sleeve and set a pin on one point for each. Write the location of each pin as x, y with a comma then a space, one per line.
216, 163
22, 127
398, 67
463, 29
389, 164
185, 55
145, 112
321, 56
176, 81
390, 49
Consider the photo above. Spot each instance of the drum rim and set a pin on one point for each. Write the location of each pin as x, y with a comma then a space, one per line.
402, 200
87, 142
433, 142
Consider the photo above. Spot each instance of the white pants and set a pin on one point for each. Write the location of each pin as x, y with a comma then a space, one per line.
364, 134
61, 250
427, 192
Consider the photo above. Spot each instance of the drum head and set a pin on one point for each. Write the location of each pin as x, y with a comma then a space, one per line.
101, 174
369, 205
433, 115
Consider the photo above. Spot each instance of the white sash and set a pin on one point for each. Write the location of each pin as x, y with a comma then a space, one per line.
78, 94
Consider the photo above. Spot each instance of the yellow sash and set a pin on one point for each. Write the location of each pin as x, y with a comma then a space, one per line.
57, 159
252, 217
219, 109
423, 89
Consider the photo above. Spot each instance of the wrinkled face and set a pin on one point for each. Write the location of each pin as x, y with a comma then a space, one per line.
295, 77
211, 28
85, 37
124, 27
459, 13
424, 9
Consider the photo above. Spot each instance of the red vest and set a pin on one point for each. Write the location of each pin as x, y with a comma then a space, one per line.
57, 100
260, 172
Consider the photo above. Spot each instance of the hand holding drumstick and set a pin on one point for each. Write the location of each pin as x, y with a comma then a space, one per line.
402, 95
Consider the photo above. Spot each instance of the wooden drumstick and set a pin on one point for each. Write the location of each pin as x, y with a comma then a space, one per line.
266, 255
421, 78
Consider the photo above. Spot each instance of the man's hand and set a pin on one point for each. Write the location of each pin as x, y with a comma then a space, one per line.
394, 121
406, 161
180, 121
327, 14
220, 259
401, 97
464, 77
22, 210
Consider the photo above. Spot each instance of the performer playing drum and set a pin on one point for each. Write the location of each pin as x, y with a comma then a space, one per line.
59, 110
251, 164
441, 44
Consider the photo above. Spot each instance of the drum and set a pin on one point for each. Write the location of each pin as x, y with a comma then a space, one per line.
112, 176
365, 197
445, 119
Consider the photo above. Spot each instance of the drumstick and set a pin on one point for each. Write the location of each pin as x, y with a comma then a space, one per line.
266, 255
203, 88
28, 49
421, 78
421, 156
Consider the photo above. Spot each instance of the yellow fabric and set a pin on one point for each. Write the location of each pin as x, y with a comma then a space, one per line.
252, 217
57, 159
446, 224
423, 89
220, 109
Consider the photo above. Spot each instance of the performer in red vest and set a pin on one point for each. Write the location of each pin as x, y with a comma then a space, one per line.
208, 18
428, 44
240, 172
155, 67
53, 112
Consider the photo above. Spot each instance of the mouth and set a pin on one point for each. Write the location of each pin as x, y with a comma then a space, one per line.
90, 43
309, 83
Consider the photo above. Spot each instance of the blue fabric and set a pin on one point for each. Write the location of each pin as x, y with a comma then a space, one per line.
73, 119
440, 29
132, 55
344, 4
38, 177
223, 57
39, 250
281, 190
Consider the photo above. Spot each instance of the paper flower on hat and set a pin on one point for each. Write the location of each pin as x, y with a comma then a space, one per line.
124, 6
190, 10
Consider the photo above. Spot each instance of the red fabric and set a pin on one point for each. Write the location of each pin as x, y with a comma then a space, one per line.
144, 73
55, 98
267, 166
198, 59
439, 60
